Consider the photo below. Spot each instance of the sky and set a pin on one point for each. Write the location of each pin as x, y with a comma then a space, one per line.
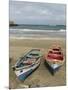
37, 13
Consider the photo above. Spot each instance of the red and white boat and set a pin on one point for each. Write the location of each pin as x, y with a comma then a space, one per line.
54, 58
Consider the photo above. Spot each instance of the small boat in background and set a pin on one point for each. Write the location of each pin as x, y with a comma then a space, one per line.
27, 64
54, 59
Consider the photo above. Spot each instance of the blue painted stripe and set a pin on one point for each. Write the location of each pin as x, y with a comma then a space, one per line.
24, 75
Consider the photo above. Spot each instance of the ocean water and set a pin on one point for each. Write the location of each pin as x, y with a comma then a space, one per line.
36, 31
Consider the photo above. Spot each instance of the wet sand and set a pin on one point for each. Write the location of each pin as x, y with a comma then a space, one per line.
41, 77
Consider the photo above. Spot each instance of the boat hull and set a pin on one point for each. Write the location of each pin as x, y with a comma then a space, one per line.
26, 72
53, 66
27, 64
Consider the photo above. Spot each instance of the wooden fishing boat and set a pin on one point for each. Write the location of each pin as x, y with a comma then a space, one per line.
54, 59
27, 64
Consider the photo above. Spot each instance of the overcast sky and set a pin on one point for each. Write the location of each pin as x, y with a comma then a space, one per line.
37, 13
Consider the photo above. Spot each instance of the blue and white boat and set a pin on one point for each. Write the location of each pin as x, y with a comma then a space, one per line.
27, 64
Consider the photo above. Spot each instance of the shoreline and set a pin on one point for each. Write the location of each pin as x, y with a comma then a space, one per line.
37, 38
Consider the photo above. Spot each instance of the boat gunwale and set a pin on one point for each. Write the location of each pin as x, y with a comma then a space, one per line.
28, 66
18, 61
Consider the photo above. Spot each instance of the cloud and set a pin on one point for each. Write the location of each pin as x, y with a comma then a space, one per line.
35, 13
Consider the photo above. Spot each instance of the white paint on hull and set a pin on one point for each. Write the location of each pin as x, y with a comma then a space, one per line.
54, 66
54, 63
34, 66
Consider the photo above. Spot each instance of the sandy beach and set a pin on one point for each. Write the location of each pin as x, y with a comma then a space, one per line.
41, 76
